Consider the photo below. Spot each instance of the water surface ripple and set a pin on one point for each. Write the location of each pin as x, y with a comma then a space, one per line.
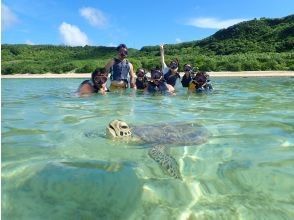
57, 163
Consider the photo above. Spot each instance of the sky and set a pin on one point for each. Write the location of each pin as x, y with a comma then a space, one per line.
136, 23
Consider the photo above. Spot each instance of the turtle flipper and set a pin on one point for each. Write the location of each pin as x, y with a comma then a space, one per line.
167, 163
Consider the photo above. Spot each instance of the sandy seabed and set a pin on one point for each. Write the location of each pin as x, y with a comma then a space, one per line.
212, 74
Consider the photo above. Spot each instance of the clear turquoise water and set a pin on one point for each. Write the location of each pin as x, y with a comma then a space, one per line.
51, 170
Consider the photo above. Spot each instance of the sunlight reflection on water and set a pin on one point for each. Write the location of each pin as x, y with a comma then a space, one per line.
57, 163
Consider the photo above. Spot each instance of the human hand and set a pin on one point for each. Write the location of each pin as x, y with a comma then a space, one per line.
102, 91
161, 47
133, 85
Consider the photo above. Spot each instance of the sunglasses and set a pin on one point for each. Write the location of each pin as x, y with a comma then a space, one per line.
100, 79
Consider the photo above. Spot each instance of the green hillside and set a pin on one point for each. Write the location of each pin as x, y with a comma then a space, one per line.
264, 35
259, 44
257, 36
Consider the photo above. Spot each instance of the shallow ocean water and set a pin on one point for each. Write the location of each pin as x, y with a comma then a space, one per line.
53, 169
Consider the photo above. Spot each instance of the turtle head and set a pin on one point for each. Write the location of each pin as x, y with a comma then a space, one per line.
118, 128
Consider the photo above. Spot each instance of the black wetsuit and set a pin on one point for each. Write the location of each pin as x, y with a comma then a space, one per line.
207, 87
161, 87
142, 84
171, 78
186, 80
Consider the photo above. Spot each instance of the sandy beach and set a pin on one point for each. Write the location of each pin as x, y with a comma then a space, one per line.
212, 74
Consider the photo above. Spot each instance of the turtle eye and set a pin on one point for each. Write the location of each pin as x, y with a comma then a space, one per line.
124, 126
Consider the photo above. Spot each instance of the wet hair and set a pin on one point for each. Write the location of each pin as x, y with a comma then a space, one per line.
156, 73
201, 77
98, 71
121, 46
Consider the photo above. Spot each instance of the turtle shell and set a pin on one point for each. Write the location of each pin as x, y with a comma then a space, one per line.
170, 133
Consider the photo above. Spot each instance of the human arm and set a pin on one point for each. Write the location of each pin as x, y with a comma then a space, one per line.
170, 88
163, 65
109, 65
132, 77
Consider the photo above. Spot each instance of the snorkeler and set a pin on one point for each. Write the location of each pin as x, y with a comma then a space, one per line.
170, 72
200, 83
188, 75
157, 83
141, 79
96, 84
121, 69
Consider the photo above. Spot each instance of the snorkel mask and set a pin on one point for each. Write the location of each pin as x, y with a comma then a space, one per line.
187, 68
122, 50
99, 77
173, 65
156, 76
140, 74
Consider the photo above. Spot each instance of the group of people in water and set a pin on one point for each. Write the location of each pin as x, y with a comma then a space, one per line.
161, 80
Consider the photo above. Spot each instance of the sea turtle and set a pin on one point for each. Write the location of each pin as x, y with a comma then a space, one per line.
157, 136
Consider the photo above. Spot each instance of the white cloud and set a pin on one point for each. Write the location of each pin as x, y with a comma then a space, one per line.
72, 35
178, 40
94, 16
213, 23
29, 42
112, 45
8, 18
